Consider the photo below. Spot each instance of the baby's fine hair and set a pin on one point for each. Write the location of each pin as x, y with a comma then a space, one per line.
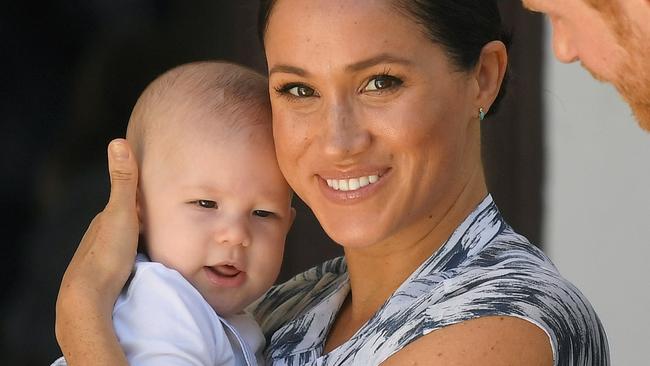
204, 88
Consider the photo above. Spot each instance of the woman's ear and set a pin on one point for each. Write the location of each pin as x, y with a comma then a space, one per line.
489, 73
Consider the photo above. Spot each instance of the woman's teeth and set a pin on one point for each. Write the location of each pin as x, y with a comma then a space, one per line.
352, 184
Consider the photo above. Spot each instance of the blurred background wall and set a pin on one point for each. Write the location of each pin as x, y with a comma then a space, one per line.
73, 70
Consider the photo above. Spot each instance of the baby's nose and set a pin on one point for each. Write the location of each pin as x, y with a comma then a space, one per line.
233, 232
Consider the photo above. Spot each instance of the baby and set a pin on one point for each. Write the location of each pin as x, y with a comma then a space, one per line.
214, 212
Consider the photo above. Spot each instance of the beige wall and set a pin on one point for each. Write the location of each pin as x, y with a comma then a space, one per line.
597, 203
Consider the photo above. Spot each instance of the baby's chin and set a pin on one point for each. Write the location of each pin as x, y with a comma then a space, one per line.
226, 310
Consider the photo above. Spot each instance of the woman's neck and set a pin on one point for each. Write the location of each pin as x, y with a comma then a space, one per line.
376, 271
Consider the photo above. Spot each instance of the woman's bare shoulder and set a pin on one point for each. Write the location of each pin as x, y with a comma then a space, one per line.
495, 340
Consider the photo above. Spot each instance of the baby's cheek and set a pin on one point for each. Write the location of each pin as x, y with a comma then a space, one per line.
178, 259
269, 263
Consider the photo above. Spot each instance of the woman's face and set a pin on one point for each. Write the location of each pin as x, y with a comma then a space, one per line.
375, 128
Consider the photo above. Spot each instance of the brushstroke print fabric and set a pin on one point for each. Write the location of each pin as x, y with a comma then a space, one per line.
484, 269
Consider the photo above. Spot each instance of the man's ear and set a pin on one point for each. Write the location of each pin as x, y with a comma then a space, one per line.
489, 73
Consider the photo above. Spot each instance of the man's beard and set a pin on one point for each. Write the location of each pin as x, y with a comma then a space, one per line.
634, 86
632, 79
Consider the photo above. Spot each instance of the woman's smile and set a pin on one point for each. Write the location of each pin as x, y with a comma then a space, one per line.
352, 184
352, 187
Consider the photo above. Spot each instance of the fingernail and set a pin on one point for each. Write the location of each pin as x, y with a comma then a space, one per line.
120, 152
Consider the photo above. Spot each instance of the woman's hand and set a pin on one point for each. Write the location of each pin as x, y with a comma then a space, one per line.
99, 269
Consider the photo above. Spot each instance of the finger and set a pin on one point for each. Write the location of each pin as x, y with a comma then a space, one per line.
123, 170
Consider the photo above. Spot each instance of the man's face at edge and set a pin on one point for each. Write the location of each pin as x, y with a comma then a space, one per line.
576, 24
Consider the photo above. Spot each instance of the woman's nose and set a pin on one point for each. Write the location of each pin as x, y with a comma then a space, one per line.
563, 44
232, 231
345, 134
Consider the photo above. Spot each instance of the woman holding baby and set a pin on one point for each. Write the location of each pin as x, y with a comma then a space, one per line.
377, 109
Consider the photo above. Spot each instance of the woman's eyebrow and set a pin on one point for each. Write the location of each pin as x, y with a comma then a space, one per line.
384, 58
288, 69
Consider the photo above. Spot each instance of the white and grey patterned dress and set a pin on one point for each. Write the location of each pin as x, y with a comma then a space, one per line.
484, 269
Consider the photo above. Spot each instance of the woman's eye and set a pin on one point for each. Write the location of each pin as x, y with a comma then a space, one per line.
294, 90
262, 213
301, 91
206, 203
382, 82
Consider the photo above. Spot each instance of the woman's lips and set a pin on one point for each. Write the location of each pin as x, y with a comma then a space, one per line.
349, 188
225, 275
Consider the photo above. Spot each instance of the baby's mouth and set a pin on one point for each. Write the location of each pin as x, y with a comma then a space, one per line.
227, 275
225, 270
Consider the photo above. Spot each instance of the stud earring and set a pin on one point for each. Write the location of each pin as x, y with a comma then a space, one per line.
481, 114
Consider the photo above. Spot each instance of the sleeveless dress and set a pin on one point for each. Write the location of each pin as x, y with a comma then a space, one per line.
484, 269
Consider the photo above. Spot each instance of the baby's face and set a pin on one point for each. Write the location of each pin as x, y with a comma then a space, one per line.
218, 213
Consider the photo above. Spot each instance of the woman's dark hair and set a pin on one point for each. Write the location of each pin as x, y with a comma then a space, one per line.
461, 27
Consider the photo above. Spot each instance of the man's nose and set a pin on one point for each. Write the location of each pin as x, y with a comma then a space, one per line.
563, 44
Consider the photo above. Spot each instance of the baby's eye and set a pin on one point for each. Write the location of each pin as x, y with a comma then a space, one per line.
382, 82
262, 213
205, 203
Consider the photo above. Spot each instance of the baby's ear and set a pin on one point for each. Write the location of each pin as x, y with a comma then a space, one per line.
293, 216
142, 246
138, 208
